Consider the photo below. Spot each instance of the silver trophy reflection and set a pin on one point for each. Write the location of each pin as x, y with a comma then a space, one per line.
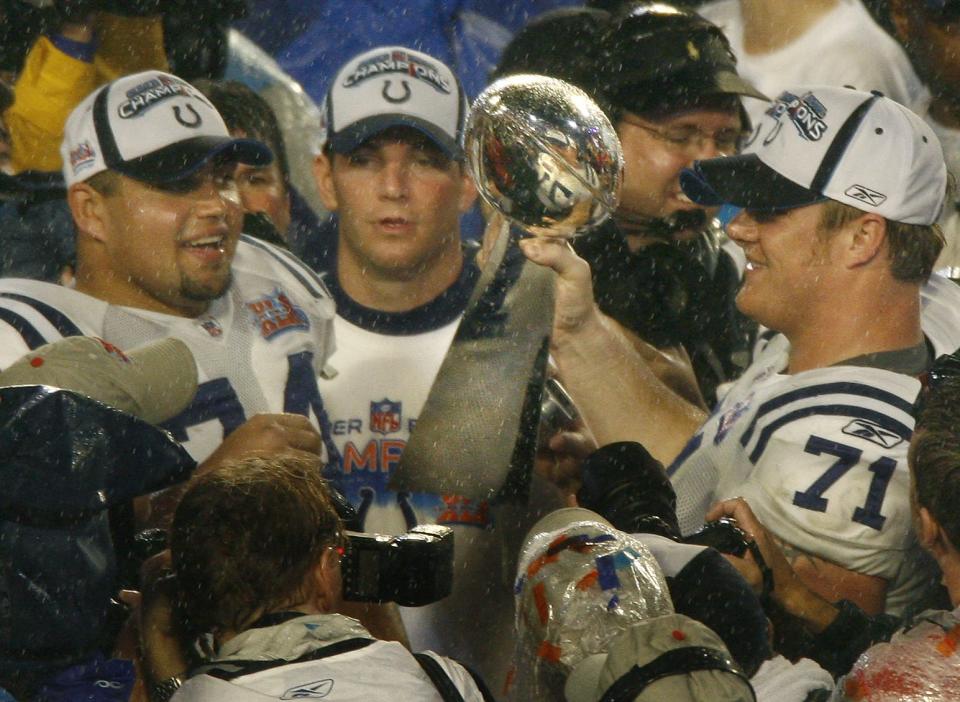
546, 157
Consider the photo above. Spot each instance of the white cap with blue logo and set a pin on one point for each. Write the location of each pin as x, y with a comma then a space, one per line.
393, 86
818, 143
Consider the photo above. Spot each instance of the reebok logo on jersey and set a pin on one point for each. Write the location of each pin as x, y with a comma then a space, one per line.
276, 314
872, 432
385, 416
309, 691
863, 194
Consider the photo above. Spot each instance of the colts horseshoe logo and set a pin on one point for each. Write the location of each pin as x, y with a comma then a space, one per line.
197, 121
396, 100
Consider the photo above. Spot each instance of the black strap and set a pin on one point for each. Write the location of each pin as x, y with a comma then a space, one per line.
229, 670
438, 676
679, 661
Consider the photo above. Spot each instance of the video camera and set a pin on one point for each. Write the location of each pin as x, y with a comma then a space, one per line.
412, 569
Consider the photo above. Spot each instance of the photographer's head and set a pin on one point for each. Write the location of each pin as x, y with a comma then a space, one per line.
252, 537
580, 582
149, 166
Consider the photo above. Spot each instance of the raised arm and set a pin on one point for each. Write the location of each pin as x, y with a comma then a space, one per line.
617, 391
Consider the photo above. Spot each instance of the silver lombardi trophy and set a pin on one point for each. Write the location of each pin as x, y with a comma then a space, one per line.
545, 156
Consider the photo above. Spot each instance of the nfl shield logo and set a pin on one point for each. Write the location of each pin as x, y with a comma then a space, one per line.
384, 416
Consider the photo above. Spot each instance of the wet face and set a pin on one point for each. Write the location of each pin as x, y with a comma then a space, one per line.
787, 262
399, 199
170, 250
264, 189
656, 151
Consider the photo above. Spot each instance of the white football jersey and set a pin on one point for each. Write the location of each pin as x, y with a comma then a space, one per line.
259, 348
821, 456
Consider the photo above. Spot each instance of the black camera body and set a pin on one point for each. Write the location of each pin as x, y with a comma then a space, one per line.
723, 535
413, 569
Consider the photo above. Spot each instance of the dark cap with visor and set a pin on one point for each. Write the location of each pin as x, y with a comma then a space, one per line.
657, 58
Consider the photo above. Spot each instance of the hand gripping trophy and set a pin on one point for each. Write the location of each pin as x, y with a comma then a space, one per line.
546, 158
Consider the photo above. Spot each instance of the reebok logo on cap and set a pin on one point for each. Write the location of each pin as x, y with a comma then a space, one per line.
817, 143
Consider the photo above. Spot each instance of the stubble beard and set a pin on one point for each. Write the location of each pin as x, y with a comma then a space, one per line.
198, 292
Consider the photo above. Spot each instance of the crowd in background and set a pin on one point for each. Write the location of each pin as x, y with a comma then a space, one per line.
290, 279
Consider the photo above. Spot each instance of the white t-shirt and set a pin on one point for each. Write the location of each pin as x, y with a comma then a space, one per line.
385, 365
844, 47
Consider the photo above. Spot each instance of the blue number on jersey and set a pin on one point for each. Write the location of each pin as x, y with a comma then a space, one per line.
847, 456
215, 399
302, 395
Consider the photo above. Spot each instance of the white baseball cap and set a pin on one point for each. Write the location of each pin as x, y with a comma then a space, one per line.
817, 143
150, 126
154, 382
393, 86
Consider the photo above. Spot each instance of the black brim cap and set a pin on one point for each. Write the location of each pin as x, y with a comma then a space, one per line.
348, 139
744, 181
150, 126
391, 86
185, 158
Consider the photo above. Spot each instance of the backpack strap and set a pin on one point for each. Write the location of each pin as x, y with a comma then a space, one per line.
438, 676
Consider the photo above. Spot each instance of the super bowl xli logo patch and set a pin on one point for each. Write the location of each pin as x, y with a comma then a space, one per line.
385, 416
398, 62
82, 157
873, 432
805, 112
276, 314
150, 93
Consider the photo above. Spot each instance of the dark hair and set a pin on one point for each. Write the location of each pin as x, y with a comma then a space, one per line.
242, 109
935, 456
913, 248
245, 537
107, 183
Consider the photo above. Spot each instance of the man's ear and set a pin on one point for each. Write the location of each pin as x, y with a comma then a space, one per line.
929, 532
468, 192
866, 239
89, 211
323, 177
326, 578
